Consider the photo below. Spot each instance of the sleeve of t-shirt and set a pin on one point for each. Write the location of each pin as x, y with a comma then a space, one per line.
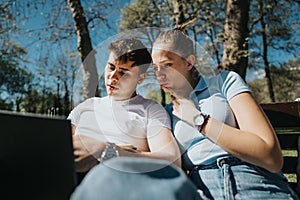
157, 118
233, 84
74, 115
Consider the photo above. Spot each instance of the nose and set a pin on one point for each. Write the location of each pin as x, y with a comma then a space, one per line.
160, 75
114, 75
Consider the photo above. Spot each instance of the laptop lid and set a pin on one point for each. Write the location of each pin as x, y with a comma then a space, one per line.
36, 157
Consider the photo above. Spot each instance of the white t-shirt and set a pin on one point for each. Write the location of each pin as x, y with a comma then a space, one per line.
122, 122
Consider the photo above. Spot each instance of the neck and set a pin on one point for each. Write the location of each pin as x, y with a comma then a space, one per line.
134, 94
188, 88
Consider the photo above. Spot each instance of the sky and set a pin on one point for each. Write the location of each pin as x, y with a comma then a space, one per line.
37, 49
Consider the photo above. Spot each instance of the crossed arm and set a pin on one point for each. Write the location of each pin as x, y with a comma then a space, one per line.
162, 146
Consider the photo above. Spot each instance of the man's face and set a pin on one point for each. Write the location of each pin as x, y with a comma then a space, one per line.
121, 79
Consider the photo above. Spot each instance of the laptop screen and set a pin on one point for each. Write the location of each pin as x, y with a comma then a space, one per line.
36, 157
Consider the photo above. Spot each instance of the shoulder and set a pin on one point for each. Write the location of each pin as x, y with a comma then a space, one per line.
224, 76
88, 104
230, 75
91, 101
232, 84
147, 102
152, 107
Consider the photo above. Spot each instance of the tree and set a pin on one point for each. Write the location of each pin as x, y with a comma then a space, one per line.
38, 102
205, 16
236, 35
286, 83
85, 49
14, 79
66, 68
273, 24
55, 27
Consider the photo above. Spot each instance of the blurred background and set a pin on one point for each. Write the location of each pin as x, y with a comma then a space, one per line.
50, 52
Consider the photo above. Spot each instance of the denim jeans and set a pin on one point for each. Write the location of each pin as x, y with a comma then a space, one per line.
239, 180
134, 179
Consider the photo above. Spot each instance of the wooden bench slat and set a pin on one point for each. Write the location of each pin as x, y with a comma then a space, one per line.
293, 185
288, 141
283, 114
290, 165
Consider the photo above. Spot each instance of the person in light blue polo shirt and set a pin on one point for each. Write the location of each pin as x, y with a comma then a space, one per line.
229, 149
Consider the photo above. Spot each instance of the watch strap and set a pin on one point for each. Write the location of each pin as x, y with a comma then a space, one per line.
206, 117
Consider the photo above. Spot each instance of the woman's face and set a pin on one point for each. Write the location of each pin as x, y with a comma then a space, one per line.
172, 71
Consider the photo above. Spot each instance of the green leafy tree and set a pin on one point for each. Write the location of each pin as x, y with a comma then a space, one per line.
38, 102
14, 79
286, 83
272, 26
49, 36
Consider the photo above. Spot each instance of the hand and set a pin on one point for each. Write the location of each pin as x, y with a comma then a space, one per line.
129, 148
86, 152
184, 109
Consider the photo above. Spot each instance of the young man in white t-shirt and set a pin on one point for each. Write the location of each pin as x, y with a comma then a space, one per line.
122, 123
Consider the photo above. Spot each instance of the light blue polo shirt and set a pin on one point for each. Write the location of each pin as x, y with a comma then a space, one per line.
212, 96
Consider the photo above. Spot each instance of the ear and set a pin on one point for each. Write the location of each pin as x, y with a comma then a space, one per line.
141, 78
191, 59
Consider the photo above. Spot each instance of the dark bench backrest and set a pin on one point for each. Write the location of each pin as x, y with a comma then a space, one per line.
285, 118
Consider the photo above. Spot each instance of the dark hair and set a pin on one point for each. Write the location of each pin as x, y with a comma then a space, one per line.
131, 49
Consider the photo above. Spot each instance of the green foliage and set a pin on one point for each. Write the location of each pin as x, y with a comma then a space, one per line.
38, 102
286, 82
259, 90
14, 80
286, 79
145, 13
155, 94
6, 105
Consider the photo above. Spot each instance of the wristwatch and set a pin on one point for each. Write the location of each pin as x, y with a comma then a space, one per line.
200, 120
109, 152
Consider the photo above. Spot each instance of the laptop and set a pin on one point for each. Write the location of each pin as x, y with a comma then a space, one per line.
36, 157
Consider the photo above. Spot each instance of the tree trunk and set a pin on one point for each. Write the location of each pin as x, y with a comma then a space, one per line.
236, 34
265, 52
178, 12
85, 49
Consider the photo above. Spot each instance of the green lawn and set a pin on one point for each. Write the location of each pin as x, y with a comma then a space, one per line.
290, 177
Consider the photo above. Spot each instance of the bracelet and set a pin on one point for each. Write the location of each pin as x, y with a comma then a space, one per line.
109, 152
204, 122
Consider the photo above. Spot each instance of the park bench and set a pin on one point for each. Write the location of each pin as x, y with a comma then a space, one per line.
285, 118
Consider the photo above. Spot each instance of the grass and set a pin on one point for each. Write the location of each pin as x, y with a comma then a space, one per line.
293, 153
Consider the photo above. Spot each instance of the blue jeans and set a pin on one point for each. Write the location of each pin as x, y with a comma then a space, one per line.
234, 179
134, 178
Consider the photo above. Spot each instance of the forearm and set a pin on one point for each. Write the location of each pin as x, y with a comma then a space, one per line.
173, 157
245, 145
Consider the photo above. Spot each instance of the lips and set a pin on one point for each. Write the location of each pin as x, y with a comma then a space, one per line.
163, 84
112, 87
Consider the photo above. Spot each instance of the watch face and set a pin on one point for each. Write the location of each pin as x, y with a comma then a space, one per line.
198, 120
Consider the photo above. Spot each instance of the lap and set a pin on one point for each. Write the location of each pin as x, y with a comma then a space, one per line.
242, 181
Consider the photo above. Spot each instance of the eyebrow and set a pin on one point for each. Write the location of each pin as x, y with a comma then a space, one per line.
166, 61
122, 68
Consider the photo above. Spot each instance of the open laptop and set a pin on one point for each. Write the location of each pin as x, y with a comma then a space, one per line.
36, 157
